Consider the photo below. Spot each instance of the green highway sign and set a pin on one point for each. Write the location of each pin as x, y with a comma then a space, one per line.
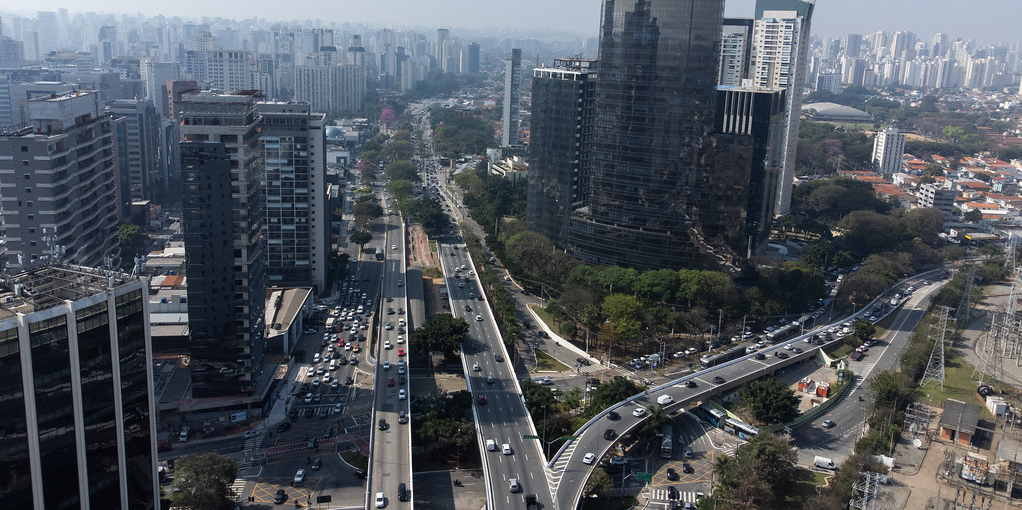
644, 477
532, 437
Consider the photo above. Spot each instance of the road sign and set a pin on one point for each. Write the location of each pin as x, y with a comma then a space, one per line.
532, 437
644, 477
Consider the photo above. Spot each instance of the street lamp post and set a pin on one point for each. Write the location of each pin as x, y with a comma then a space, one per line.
547, 448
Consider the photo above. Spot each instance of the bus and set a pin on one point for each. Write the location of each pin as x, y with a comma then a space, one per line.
712, 415
667, 446
711, 360
379, 253
742, 430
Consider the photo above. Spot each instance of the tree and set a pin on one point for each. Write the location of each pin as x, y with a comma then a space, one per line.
973, 215
952, 133
887, 389
758, 476
769, 401
401, 170
132, 240
864, 330
204, 479
599, 483
364, 212
624, 311
441, 332
400, 188
361, 238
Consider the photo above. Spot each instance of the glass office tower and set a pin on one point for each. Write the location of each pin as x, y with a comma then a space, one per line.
649, 195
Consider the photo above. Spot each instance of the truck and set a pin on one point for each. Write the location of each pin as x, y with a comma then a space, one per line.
379, 253
823, 463
856, 355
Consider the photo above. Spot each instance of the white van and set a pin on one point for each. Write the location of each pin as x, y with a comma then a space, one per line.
491, 445
333, 364
183, 436
823, 463
664, 400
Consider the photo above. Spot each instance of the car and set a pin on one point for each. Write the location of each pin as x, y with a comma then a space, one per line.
672, 475
686, 467
619, 461
468, 308
828, 424
390, 311
400, 339
588, 458
760, 356
315, 383
400, 283
613, 416
481, 399
639, 412
672, 493
797, 350
380, 500
308, 398
475, 367
393, 247
299, 476
400, 311
498, 357
388, 326
251, 433
337, 408
489, 379
664, 400
513, 485
390, 382
718, 380
505, 449
386, 365
609, 434
400, 352
402, 416
310, 372
283, 426
690, 384
349, 381
279, 496
781, 355
401, 394
789, 347
479, 318
320, 370
334, 384
316, 463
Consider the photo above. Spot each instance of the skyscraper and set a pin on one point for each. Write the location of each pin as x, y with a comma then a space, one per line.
888, 148
138, 150
59, 191
735, 47
560, 148
654, 105
440, 51
853, 45
470, 59
779, 60
78, 422
509, 136
293, 146
235, 272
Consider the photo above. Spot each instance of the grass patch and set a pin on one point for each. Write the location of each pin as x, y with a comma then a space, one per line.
544, 316
356, 459
432, 272
804, 487
957, 385
611, 503
841, 349
433, 250
545, 362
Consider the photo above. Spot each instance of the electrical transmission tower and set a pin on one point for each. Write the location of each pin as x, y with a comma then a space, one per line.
935, 367
962, 314
865, 491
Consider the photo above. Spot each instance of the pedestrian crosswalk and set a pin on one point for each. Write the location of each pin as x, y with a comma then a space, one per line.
662, 495
252, 442
237, 488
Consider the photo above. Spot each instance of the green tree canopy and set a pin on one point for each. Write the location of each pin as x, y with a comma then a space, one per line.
625, 312
864, 330
758, 476
769, 401
361, 238
400, 188
204, 480
401, 170
442, 332
131, 240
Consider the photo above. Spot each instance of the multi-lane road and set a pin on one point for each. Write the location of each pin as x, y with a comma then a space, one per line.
499, 408
391, 463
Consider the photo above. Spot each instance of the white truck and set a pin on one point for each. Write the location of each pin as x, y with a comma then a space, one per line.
823, 463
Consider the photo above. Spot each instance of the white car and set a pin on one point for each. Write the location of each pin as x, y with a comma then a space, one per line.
479, 318
380, 500
401, 395
589, 458
789, 347
505, 449
251, 433
639, 412
387, 345
386, 365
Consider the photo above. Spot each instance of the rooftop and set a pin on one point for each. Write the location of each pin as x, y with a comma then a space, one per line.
44, 287
960, 416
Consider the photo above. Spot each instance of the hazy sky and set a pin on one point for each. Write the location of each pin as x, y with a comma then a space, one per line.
984, 20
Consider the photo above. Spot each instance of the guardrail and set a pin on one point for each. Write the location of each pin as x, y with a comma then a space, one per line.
408, 336
789, 361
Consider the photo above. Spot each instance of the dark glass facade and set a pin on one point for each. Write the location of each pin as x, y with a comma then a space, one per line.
96, 362
208, 221
560, 146
654, 108
84, 400
15, 478
135, 395
51, 371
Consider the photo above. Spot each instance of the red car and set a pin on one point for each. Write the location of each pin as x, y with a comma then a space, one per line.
481, 399
400, 352
390, 381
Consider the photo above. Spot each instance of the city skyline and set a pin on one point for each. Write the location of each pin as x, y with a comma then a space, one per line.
582, 17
